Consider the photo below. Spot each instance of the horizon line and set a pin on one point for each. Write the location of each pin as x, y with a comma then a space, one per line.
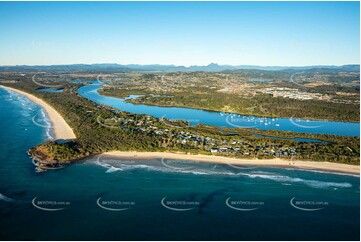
187, 66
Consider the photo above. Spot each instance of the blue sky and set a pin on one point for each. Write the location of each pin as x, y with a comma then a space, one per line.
181, 33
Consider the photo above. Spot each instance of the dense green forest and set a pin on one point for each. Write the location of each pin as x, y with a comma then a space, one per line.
258, 105
309, 94
130, 132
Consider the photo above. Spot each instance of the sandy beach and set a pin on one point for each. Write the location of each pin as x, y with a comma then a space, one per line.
307, 165
60, 128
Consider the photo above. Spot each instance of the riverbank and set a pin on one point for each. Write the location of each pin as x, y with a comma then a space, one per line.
218, 110
277, 162
197, 116
60, 128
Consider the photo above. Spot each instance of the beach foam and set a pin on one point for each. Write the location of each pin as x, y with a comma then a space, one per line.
123, 167
218, 172
60, 128
287, 180
6, 199
48, 123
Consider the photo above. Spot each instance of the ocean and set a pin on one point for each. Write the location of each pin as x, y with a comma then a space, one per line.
105, 198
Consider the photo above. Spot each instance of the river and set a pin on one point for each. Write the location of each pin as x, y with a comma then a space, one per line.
196, 116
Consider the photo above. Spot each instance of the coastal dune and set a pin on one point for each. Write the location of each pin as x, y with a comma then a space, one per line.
60, 128
307, 165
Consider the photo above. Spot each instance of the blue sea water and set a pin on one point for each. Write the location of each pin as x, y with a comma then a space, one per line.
105, 198
196, 116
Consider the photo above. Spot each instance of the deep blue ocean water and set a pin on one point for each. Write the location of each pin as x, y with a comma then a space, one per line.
196, 116
161, 199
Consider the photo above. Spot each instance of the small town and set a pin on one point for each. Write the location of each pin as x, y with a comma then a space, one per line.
174, 133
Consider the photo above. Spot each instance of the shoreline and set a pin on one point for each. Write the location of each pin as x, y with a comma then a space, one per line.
218, 111
59, 127
276, 162
62, 130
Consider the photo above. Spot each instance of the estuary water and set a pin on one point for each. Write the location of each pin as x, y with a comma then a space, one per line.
105, 198
48, 89
196, 116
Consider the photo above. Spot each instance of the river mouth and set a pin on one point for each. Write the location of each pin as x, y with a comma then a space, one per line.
169, 197
220, 119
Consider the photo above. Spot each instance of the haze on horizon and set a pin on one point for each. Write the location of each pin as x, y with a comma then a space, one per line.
180, 33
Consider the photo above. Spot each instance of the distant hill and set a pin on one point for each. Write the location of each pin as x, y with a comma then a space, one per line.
68, 68
217, 68
111, 68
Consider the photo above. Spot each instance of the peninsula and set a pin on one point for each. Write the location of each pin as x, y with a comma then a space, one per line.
100, 129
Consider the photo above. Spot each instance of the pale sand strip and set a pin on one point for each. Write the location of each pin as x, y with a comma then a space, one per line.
310, 165
63, 131
60, 128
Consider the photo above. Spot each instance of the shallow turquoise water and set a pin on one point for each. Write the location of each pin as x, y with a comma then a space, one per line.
200, 191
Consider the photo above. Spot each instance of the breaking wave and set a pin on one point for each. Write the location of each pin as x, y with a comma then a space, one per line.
6, 199
287, 179
48, 124
283, 179
324, 172
122, 167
